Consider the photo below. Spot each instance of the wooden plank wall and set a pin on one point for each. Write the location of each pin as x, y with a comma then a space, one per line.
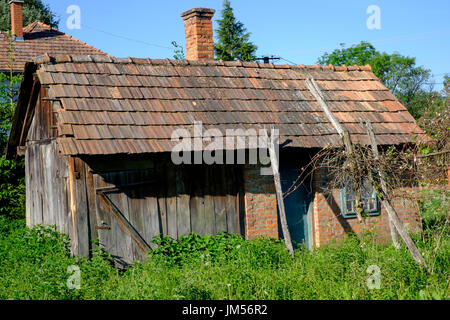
47, 201
167, 200
63, 191
51, 186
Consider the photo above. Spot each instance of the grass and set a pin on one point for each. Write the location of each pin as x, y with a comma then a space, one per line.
34, 263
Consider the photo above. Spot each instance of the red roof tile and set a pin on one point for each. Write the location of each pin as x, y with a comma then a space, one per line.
40, 39
128, 105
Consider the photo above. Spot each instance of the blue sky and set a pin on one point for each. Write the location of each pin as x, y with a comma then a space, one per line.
297, 30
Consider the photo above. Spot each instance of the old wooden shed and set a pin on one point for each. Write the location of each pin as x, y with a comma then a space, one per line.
97, 135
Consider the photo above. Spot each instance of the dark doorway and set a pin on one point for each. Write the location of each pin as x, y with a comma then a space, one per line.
297, 205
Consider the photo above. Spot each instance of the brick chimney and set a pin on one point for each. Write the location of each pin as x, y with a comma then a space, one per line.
199, 34
16, 19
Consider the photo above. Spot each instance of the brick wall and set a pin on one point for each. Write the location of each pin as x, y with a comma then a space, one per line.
261, 217
199, 34
329, 223
261, 214
16, 18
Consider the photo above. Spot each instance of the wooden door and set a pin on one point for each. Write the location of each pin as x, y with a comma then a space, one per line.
297, 205
135, 206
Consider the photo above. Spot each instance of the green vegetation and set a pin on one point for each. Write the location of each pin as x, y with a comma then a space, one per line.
34, 263
33, 10
178, 51
233, 40
12, 173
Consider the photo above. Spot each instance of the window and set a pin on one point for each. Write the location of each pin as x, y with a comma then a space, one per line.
369, 199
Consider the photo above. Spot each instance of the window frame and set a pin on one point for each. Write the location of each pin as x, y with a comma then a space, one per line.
350, 215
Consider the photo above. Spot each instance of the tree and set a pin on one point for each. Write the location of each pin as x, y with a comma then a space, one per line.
33, 10
12, 181
360, 54
398, 73
233, 40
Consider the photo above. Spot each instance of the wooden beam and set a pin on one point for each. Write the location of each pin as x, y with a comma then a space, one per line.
405, 236
21, 109
280, 198
393, 217
124, 223
123, 186
345, 136
30, 111
369, 129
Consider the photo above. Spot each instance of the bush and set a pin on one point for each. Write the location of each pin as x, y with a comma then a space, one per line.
12, 188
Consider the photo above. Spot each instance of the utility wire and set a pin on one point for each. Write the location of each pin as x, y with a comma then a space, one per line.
288, 61
127, 38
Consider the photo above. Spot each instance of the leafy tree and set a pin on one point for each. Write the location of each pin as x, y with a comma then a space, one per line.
398, 73
33, 10
12, 181
360, 54
233, 40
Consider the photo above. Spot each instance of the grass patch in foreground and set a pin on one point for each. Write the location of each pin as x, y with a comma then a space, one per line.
33, 265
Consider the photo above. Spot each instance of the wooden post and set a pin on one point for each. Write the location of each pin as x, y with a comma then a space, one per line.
277, 180
345, 136
393, 217
382, 175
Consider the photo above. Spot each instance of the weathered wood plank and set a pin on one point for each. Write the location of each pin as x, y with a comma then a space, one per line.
48, 185
197, 203
171, 202
220, 205
208, 194
104, 219
135, 199
147, 204
124, 239
29, 194
38, 214
73, 206
81, 207
231, 199
161, 184
183, 195
92, 209
280, 199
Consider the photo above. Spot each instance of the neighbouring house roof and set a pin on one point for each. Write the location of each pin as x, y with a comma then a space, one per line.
109, 105
39, 39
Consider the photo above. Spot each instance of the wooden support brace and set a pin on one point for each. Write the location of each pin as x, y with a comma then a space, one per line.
124, 223
345, 136
276, 175
369, 129
393, 217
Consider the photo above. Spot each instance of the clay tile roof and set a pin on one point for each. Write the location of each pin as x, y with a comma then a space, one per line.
40, 39
132, 105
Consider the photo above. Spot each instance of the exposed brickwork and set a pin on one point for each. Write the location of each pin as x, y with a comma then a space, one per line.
199, 34
329, 223
16, 18
261, 218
